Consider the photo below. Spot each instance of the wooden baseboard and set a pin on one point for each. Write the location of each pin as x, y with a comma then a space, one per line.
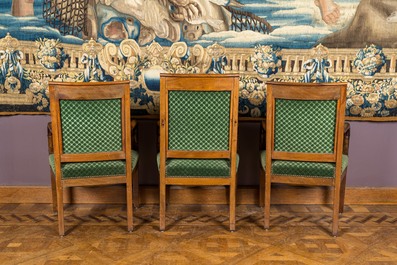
199, 195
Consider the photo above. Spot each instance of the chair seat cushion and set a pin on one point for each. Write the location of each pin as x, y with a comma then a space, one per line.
93, 169
198, 167
298, 168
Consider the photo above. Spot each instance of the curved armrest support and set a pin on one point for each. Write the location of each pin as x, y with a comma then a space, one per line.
49, 139
134, 134
346, 139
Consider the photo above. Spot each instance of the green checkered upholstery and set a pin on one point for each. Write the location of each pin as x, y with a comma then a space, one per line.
198, 120
91, 125
197, 167
298, 168
93, 169
305, 126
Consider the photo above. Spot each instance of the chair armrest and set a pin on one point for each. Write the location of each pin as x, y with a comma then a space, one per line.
346, 139
49, 139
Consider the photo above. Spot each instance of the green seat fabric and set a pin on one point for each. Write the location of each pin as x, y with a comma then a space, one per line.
93, 169
198, 167
298, 168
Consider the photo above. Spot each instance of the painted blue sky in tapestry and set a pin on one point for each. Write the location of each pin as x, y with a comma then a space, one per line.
246, 23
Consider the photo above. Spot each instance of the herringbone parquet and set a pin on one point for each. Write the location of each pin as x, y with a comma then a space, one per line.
96, 234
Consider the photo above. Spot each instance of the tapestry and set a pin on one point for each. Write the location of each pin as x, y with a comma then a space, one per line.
349, 41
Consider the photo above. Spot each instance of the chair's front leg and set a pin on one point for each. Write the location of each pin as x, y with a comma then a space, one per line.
335, 216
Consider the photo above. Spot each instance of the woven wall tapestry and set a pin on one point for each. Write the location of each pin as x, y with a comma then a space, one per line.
349, 41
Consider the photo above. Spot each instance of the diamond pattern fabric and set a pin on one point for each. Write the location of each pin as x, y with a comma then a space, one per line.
198, 120
93, 169
198, 167
298, 168
91, 125
305, 126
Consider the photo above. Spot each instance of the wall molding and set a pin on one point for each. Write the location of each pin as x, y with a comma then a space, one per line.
199, 195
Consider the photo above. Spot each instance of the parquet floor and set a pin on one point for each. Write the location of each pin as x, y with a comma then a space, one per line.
96, 234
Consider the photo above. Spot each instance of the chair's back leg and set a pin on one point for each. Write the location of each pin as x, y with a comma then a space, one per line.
61, 225
262, 186
135, 188
342, 192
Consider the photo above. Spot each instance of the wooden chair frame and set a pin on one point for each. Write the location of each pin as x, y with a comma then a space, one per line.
89, 91
198, 82
307, 91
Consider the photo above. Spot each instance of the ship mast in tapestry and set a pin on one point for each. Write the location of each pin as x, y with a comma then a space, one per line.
22, 8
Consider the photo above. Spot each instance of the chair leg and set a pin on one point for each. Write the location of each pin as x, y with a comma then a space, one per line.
135, 188
342, 193
267, 201
168, 193
162, 206
53, 191
335, 216
61, 225
232, 206
262, 185
130, 213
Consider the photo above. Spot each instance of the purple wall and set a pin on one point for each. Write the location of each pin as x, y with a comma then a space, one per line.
24, 159
373, 154
23, 150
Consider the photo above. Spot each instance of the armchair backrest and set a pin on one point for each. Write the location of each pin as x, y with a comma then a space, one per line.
90, 121
305, 121
198, 115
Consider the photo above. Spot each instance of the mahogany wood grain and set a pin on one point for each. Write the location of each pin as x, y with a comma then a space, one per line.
197, 181
198, 154
93, 181
102, 156
311, 157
